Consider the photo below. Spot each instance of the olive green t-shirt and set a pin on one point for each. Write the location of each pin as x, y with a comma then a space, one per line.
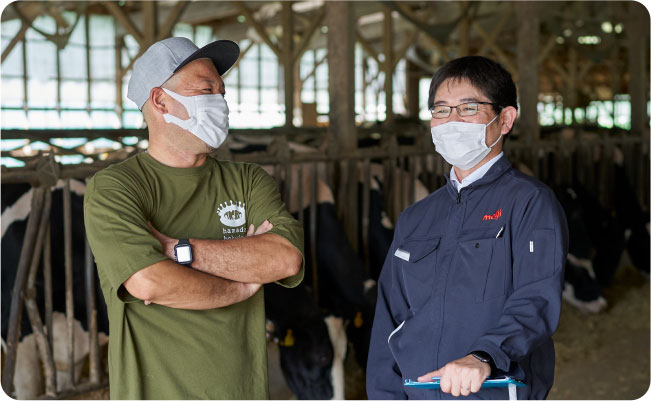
157, 352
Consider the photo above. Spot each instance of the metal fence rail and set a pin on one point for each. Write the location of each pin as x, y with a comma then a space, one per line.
403, 170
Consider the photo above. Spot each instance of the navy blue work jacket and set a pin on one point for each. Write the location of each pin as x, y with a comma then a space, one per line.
479, 269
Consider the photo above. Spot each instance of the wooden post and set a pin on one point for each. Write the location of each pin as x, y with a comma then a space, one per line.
637, 33
387, 65
341, 44
88, 74
464, 30
17, 296
572, 84
527, 49
287, 53
70, 306
25, 79
119, 39
149, 11
342, 131
413, 78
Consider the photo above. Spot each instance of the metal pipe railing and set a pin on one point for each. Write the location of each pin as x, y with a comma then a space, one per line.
556, 162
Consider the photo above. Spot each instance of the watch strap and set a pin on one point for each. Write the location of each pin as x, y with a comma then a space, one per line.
485, 357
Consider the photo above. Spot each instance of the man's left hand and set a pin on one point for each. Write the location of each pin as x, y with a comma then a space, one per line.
460, 377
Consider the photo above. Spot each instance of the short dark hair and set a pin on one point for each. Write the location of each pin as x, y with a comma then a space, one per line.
488, 76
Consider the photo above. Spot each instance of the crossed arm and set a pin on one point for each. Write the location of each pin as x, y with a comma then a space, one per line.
222, 273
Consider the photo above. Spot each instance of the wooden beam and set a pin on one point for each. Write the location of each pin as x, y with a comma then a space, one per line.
367, 46
288, 61
25, 75
561, 71
133, 60
401, 53
117, 13
60, 38
316, 65
305, 40
237, 63
409, 16
585, 67
341, 82
88, 58
506, 17
637, 39
464, 29
549, 45
412, 78
410, 40
257, 26
119, 43
14, 41
387, 65
503, 58
150, 21
528, 38
172, 18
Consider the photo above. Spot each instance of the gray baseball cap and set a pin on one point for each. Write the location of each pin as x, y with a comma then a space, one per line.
164, 58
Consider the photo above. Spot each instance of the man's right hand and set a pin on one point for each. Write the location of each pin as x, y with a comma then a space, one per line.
251, 288
263, 228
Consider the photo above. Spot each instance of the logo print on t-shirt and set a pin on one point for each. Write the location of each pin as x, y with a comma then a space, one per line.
232, 214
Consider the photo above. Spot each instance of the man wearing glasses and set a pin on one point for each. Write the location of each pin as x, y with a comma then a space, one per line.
471, 287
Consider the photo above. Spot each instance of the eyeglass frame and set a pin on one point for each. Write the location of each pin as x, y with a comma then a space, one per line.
459, 113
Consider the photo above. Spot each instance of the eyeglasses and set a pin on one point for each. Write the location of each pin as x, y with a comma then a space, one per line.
463, 110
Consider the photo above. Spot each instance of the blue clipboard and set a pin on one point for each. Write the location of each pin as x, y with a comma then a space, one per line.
503, 381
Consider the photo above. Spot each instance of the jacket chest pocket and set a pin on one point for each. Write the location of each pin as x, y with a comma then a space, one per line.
418, 261
479, 269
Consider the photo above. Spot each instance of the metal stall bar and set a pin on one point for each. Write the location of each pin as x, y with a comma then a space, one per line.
412, 179
287, 195
313, 198
366, 206
301, 214
351, 205
400, 184
91, 316
16, 309
47, 283
70, 307
44, 348
605, 179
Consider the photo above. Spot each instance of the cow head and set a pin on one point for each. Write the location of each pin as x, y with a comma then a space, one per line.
306, 359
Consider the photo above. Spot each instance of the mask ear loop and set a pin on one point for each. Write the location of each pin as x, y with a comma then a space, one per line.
500, 137
169, 118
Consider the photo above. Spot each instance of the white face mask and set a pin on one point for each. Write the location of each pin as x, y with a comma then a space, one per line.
208, 117
462, 144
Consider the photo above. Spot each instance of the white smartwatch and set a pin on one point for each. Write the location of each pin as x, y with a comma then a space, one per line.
183, 252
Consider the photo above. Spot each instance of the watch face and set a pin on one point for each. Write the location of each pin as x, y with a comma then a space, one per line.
183, 254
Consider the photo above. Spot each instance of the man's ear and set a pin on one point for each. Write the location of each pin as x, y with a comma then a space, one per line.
157, 97
509, 114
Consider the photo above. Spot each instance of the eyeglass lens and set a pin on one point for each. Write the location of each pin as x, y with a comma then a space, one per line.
464, 110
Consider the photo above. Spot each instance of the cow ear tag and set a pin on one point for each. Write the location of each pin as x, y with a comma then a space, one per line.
359, 321
289, 339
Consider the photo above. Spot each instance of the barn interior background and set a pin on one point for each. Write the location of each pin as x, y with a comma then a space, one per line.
328, 94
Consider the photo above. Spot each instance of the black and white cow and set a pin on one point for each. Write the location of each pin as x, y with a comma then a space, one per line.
306, 352
16, 208
16, 204
581, 287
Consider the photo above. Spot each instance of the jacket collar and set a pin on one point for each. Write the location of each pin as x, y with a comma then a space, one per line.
496, 171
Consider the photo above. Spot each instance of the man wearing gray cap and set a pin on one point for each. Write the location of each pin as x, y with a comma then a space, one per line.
173, 231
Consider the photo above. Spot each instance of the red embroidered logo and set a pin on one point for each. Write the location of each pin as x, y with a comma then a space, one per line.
493, 216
